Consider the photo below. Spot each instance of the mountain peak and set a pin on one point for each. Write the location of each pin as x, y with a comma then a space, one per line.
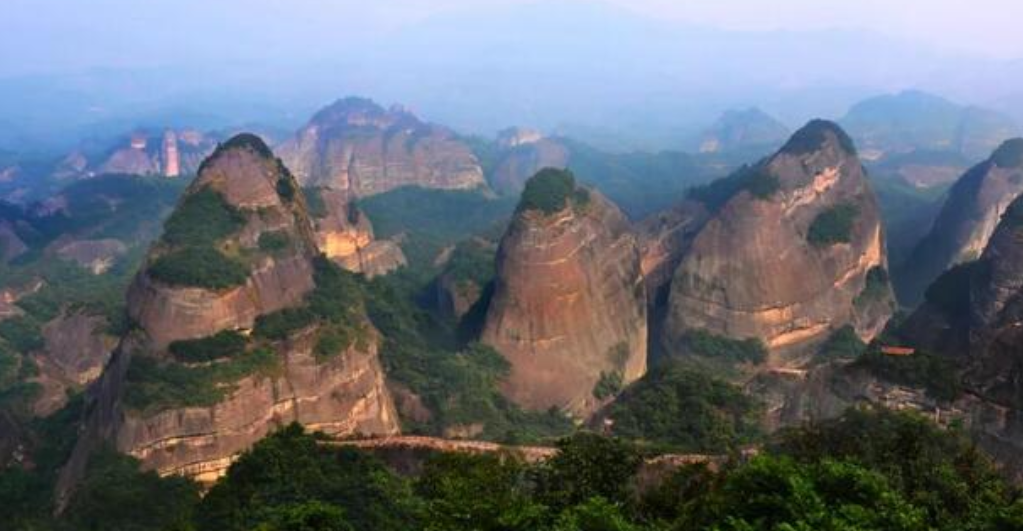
816, 135
355, 110
550, 191
1009, 154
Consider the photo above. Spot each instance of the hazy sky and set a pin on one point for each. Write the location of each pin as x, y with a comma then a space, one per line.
48, 35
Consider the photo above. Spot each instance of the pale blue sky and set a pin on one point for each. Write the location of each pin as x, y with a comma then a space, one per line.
636, 67
47, 35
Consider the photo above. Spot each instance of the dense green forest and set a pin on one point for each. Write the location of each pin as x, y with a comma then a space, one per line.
871, 469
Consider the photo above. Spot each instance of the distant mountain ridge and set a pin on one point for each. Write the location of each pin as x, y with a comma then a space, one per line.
914, 120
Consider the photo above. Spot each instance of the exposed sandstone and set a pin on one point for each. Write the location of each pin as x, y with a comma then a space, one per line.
753, 271
357, 146
569, 304
342, 393
247, 180
345, 234
344, 396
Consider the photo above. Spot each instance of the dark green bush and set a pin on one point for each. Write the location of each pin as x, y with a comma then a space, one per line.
200, 267
549, 191
22, 333
155, 386
285, 188
289, 467
609, 384
842, 344
685, 410
876, 287
471, 262
224, 344
274, 242
754, 179
202, 220
938, 375
281, 324
117, 495
331, 341
833, 225
710, 345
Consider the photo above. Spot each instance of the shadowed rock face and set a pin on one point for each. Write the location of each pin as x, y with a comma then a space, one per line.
967, 220
357, 146
776, 261
664, 239
981, 305
341, 393
569, 304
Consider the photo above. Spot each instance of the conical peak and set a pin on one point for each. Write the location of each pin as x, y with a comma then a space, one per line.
246, 172
817, 136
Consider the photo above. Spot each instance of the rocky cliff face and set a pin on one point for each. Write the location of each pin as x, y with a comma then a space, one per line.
794, 251
195, 385
967, 220
973, 314
345, 234
245, 182
524, 153
345, 395
569, 307
357, 146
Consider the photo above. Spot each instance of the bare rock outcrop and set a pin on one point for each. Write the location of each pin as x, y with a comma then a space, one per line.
343, 396
344, 233
357, 146
794, 251
197, 383
243, 183
967, 220
569, 304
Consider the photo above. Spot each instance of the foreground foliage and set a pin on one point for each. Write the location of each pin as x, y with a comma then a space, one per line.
871, 469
